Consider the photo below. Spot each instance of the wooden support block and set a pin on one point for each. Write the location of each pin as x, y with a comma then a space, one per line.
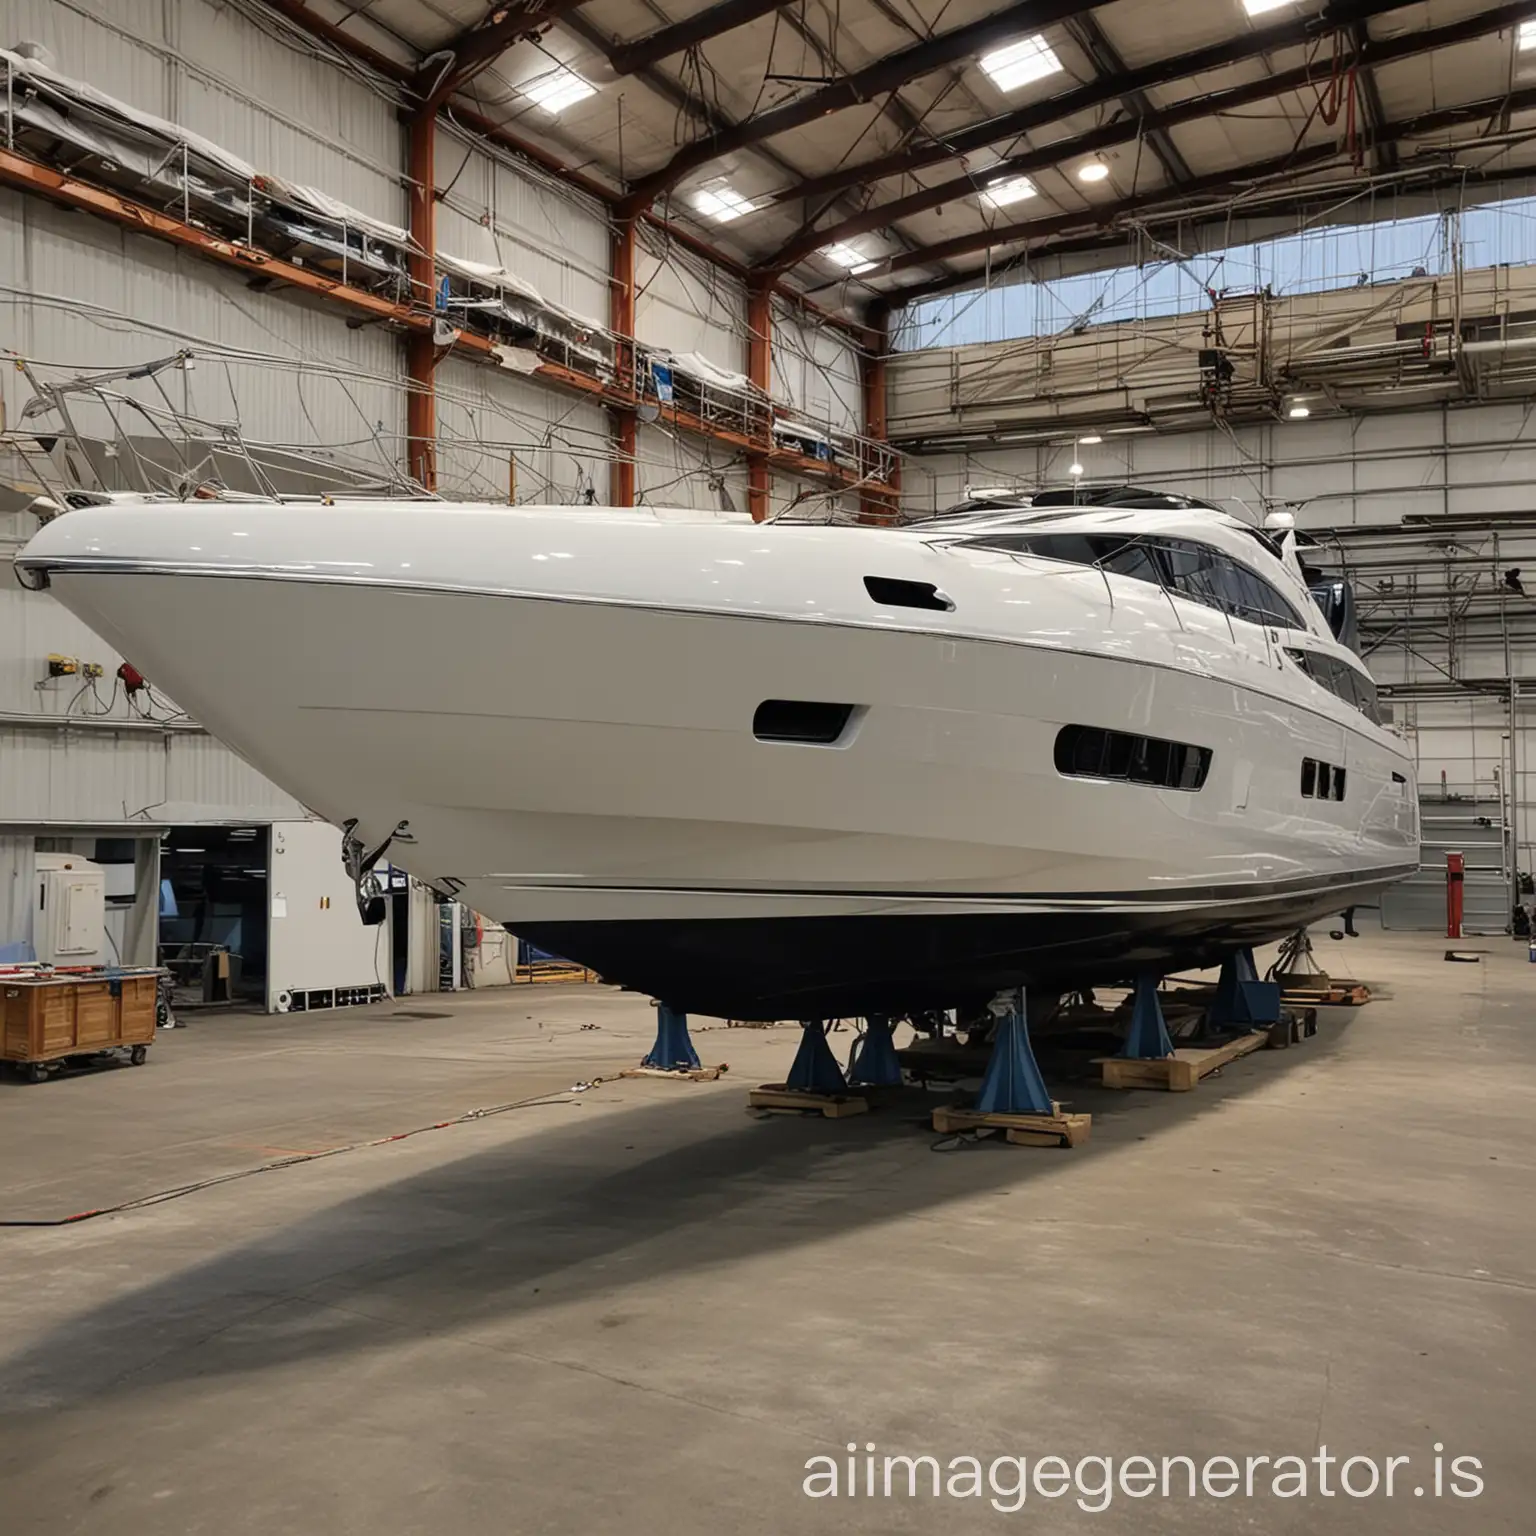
1053, 1130
776, 1097
687, 1074
1339, 994
1181, 1071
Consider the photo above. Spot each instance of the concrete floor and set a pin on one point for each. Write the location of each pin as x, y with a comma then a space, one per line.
639, 1309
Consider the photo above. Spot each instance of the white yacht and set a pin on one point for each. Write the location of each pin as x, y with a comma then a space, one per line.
786, 770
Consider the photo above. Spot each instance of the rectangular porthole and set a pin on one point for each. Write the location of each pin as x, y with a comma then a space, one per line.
1322, 781
801, 722
1087, 752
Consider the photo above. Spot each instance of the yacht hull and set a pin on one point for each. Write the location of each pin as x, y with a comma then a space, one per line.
585, 770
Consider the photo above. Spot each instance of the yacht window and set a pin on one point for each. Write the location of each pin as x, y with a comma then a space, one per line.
1086, 752
1340, 679
1191, 571
1321, 781
1204, 575
1129, 557
1126, 557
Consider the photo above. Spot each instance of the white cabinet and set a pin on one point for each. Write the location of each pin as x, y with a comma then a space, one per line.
70, 924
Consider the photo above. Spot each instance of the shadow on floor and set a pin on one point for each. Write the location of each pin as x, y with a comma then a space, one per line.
583, 1208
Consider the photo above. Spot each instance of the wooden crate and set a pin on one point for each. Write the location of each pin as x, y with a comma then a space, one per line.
47, 1018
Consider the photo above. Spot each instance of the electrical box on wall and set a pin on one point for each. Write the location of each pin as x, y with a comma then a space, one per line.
69, 926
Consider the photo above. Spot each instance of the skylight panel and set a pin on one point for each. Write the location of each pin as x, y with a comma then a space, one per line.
848, 256
556, 89
721, 202
1011, 189
1525, 37
1017, 64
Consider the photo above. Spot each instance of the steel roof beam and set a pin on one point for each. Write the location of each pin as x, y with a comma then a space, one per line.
1105, 91
627, 58
1407, 45
451, 67
876, 79
1110, 67
1168, 203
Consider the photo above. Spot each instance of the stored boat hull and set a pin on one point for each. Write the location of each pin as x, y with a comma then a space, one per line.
582, 764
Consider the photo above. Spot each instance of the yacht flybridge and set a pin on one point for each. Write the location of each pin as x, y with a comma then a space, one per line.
786, 770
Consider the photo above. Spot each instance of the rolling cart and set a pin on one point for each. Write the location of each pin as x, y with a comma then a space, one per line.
49, 1017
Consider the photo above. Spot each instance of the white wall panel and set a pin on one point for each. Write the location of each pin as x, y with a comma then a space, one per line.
1475, 459
207, 67
553, 238
113, 44
816, 370
84, 296
685, 306
678, 471
487, 416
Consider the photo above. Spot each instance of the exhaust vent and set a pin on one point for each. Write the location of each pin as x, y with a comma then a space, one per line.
803, 722
892, 592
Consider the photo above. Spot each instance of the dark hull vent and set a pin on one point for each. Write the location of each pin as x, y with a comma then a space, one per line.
805, 722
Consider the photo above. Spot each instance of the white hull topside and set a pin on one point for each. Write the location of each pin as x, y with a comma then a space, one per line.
561, 703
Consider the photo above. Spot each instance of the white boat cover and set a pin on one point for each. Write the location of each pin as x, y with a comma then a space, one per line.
50, 79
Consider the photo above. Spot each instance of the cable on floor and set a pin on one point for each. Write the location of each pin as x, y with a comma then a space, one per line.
562, 1096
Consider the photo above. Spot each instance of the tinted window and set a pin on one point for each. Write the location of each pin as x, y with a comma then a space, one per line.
1190, 570
1340, 679
1085, 751
1321, 781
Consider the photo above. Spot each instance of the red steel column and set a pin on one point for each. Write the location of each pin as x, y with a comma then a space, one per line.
1455, 883
760, 371
420, 354
621, 320
875, 508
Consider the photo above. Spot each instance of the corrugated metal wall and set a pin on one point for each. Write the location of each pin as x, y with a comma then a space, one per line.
686, 306
678, 471
1370, 469
816, 370
548, 235
488, 417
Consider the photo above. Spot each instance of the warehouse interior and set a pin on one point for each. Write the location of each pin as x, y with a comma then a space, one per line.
420, 1217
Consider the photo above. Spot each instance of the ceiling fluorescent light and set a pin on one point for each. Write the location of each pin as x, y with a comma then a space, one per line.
721, 202
556, 89
1259, 7
1090, 440
1012, 189
1019, 63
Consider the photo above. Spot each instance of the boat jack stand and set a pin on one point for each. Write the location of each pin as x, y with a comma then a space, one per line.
1148, 1038
1013, 1084
673, 1050
873, 1064
1241, 998
815, 1068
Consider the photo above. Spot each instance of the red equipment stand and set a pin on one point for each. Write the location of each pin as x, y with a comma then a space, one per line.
1455, 879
